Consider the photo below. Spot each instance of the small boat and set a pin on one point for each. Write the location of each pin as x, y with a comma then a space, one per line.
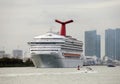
111, 65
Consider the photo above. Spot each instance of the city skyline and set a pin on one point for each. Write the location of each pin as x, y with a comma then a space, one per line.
92, 44
22, 20
112, 43
16, 53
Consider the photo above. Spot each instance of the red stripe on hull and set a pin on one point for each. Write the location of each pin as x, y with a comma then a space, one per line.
70, 54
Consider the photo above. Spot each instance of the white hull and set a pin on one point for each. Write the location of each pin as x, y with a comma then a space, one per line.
56, 50
55, 61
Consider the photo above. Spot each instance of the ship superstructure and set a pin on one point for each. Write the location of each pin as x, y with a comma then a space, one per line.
54, 50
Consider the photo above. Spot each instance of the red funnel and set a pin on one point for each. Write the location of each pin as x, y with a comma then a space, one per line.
63, 26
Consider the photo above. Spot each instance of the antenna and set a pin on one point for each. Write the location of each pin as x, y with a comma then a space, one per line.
63, 26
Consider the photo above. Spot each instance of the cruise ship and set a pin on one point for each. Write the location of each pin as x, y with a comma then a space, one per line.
53, 50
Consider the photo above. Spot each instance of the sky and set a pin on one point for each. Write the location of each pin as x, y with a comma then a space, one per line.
21, 20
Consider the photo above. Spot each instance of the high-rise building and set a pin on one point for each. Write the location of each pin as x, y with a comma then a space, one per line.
98, 46
117, 52
112, 43
2, 53
18, 54
92, 44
